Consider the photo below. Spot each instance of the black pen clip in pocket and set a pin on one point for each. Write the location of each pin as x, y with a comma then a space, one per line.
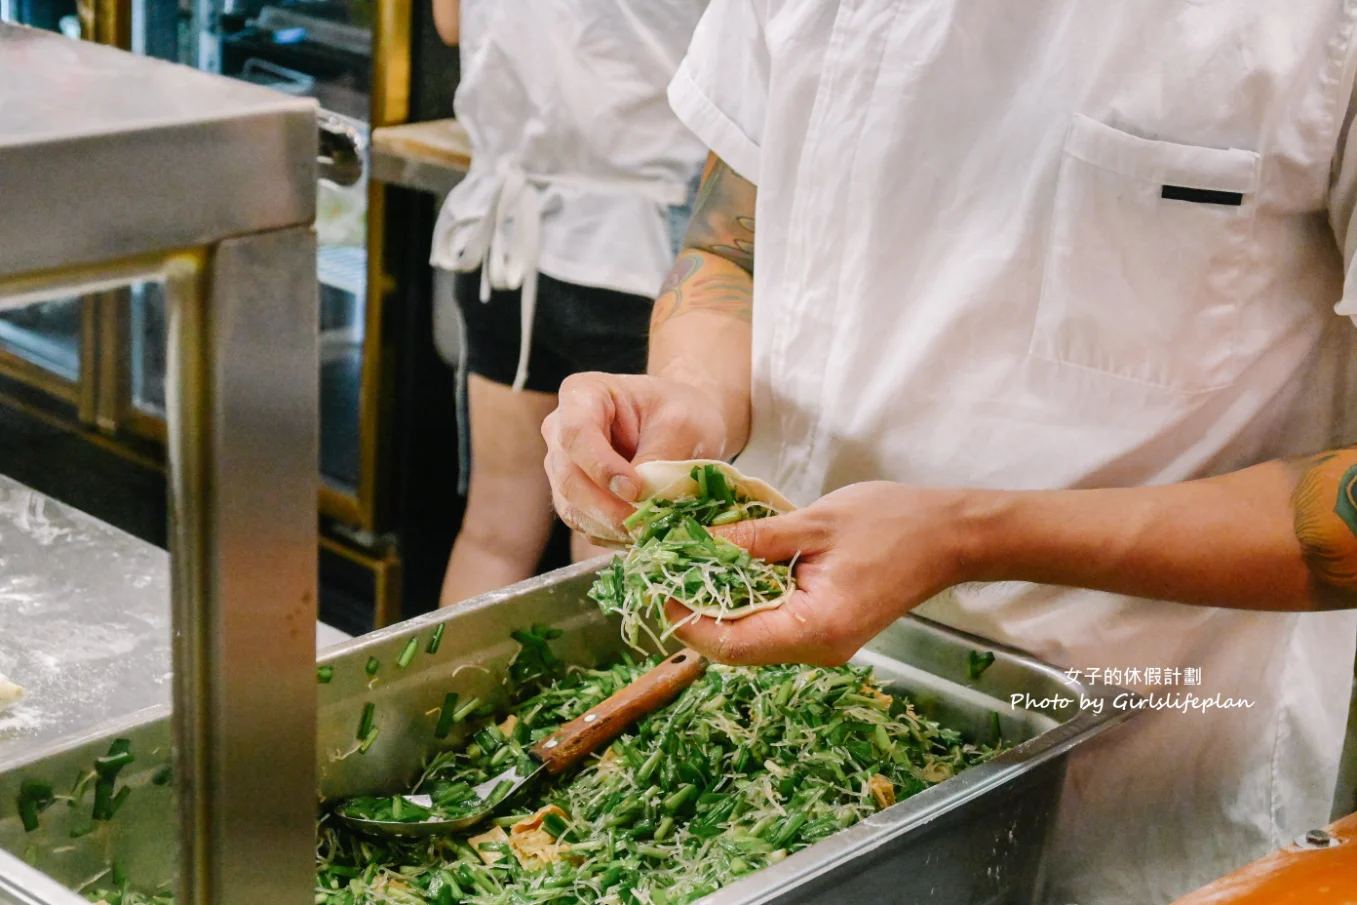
1201, 196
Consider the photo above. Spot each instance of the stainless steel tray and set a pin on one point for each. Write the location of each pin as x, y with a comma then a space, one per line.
976, 839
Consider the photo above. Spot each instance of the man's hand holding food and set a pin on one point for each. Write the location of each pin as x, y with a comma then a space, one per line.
865, 555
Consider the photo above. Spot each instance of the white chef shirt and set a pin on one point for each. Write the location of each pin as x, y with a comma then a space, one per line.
576, 155
968, 274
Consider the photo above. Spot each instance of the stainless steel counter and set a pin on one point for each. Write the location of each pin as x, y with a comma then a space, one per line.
84, 621
108, 124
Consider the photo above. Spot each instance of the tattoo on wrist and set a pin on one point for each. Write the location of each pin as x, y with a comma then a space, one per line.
1324, 503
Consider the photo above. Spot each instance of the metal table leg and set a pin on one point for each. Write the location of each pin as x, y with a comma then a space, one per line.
243, 365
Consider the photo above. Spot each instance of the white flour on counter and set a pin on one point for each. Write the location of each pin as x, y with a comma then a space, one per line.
22, 720
9, 693
84, 621
28, 511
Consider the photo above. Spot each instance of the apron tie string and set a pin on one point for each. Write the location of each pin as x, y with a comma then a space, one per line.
505, 243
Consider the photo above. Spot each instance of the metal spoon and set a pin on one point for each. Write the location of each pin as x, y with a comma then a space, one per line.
558, 752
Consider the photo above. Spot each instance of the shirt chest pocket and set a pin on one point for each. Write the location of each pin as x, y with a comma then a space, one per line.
1148, 253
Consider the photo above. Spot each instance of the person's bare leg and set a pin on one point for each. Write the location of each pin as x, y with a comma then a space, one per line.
508, 509
581, 549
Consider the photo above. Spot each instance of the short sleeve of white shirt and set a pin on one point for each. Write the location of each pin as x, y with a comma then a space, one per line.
721, 89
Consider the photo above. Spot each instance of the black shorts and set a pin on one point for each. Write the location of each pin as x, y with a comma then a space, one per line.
576, 328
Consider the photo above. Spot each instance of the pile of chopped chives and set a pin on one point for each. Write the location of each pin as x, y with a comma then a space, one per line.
747, 766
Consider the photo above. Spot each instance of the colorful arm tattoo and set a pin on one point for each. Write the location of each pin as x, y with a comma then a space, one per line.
1325, 507
720, 234
694, 284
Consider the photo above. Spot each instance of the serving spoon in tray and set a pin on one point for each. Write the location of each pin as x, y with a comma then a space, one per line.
555, 754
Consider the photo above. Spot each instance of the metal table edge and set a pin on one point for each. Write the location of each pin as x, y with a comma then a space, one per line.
21, 884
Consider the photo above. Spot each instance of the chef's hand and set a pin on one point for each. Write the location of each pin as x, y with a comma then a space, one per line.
606, 424
869, 553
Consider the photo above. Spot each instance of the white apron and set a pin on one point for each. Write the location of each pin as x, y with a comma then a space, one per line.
576, 157
1066, 243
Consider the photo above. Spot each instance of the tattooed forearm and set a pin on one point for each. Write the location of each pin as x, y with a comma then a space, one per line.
714, 274
723, 217
1325, 509
698, 283
711, 350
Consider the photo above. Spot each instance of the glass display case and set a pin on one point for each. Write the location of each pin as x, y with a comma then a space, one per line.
44, 339
51, 15
108, 361
146, 322
341, 274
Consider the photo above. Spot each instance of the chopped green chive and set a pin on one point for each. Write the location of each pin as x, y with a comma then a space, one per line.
118, 800
28, 814
110, 765
466, 710
35, 796
446, 715
554, 824
509, 819
103, 799
679, 798
637, 517
82, 783
977, 663
107, 767
324, 674
647, 768
436, 641
38, 790
498, 792
365, 723
372, 666
407, 653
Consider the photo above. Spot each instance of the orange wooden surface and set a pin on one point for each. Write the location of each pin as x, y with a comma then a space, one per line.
439, 141
1292, 876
